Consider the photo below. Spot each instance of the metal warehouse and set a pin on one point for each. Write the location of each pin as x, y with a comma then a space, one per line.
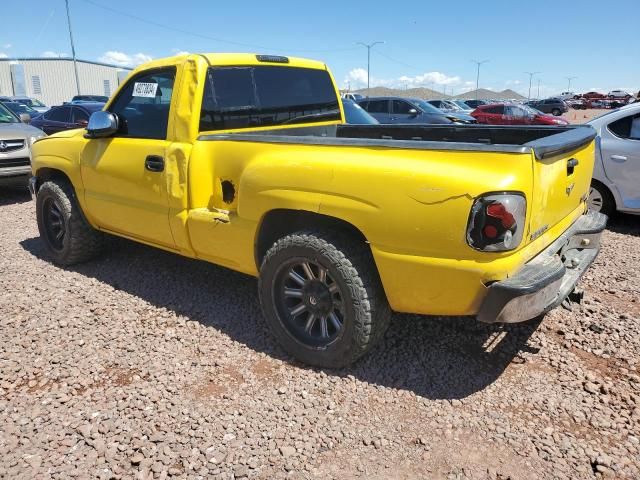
53, 81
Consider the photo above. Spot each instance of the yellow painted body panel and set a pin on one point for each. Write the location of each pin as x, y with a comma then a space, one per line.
411, 205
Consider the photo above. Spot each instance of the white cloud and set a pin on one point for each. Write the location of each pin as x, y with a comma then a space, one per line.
51, 54
177, 51
357, 78
6, 46
124, 59
3, 55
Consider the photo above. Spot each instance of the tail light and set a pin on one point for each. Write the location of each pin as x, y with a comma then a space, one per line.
497, 222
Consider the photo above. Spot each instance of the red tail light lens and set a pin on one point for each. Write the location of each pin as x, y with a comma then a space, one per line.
497, 222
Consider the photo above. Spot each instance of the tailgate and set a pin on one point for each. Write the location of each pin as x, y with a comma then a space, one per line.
562, 170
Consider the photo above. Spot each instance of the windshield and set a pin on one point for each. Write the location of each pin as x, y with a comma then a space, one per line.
20, 108
355, 114
6, 116
425, 107
36, 103
462, 105
531, 110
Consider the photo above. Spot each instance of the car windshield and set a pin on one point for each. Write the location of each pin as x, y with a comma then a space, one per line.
36, 103
530, 110
6, 116
425, 106
355, 114
462, 105
16, 107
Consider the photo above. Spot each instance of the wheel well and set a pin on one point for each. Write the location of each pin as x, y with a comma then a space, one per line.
279, 223
45, 174
606, 190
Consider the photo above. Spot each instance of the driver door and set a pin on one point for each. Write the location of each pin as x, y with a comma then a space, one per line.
125, 188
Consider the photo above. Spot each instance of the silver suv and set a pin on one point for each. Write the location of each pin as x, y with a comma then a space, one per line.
16, 139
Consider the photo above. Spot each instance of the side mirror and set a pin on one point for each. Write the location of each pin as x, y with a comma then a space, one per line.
101, 124
25, 117
413, 112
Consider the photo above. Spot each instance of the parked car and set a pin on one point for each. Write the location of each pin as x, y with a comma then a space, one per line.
593, 95
16, 139
554, 106
567, 96
475, 103
30, 102
463, 106
353, 96
616, 175
576, 104
89, 98
19, 108
66, 117
390, 110
511, 114
343, 224
355, 114
619, 94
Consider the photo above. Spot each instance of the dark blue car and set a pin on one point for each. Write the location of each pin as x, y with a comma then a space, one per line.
66, 117
390, 110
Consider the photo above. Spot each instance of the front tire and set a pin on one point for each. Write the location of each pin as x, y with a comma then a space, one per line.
322, 298
556, 112
66, 234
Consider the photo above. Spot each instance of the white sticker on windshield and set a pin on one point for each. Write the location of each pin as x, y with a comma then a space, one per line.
144, 89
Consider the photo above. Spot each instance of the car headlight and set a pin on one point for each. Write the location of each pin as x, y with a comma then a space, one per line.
33, 138
559, 122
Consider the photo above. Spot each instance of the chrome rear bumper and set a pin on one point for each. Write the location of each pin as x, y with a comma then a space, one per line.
544, 282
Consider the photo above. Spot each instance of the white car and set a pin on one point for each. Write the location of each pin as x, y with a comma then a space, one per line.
616, 175
566, 95
618, 94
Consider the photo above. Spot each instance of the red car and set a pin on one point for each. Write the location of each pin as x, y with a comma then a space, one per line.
593, 95
508, 114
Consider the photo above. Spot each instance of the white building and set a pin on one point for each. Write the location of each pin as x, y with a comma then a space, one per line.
53, 81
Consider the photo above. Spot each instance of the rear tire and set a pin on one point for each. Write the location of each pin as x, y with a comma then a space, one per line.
556, 112
66, 234
322, 298
600, 199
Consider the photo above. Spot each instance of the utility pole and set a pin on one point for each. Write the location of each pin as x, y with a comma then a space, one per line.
478, 63
369, 46
73, 48
531, 74
538, 96
569, 84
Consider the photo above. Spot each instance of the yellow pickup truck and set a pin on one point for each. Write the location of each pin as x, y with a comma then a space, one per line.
245, 161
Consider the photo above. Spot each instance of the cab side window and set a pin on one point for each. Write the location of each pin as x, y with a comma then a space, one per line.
143, 104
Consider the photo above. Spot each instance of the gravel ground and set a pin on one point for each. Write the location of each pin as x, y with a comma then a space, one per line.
146, 365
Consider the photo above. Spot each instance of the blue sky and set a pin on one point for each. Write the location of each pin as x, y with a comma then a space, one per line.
426, 43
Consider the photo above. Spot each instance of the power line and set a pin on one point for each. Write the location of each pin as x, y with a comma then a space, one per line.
397, 61
207, 37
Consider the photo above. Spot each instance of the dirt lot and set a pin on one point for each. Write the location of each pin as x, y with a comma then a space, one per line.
146, 365
583, 116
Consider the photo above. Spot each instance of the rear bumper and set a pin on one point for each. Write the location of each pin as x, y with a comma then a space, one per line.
549, 278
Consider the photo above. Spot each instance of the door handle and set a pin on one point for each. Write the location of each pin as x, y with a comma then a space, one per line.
618, 158
154, 163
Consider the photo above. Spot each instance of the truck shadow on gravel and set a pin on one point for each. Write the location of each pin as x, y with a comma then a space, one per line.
436, 358
624, 223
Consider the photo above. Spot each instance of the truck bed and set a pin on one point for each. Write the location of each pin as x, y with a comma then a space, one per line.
543, 141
